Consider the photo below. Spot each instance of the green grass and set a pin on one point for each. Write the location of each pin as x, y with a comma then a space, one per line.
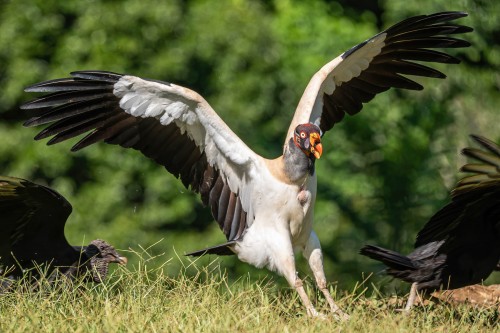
202, 299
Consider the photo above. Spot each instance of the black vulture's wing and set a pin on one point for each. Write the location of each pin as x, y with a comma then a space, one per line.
32, 224
472, 246
475, 200
474, 242
486, 173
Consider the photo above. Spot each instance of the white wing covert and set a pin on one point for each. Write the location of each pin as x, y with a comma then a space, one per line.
170, 124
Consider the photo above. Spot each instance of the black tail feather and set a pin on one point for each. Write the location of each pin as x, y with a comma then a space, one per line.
392, 259
220, 250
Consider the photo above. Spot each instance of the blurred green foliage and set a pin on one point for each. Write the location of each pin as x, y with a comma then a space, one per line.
384, 171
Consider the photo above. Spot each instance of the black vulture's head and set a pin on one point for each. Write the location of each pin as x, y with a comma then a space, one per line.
101, 254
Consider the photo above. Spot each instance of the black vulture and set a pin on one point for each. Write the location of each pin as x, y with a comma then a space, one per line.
460, 244
32, 238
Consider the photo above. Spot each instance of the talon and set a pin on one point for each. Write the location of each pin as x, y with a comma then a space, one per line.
313, 313
340, 315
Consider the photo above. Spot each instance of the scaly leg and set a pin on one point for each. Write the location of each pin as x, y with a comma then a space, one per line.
311, 311
284, 262
411, 298
312, 252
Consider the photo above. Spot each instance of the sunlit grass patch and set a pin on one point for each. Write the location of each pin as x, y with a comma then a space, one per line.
201, 298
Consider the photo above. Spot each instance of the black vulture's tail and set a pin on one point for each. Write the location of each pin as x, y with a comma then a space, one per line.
395, 261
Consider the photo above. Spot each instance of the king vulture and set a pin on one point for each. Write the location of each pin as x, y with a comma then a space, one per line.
460, 245
263, 206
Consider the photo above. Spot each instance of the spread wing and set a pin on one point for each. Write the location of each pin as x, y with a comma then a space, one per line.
32, 223
170, 124
486, 173
474, 213
376, 65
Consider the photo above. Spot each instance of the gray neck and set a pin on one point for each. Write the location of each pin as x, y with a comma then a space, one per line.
297, 164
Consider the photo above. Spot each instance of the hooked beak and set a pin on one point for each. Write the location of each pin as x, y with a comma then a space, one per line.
122, 260
316, 147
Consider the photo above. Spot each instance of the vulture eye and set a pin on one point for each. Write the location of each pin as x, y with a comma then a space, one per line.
302, 135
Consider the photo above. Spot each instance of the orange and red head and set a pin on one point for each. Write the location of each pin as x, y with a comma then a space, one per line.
308, 138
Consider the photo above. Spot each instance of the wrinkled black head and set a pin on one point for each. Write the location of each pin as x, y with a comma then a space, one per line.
101, 254
308, 138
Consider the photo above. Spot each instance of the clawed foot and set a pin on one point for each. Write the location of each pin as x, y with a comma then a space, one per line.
337, 315
311, 312
404, 311
335, 309
340, 315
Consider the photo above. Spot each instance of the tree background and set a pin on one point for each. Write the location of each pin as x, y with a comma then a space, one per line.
384, 171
